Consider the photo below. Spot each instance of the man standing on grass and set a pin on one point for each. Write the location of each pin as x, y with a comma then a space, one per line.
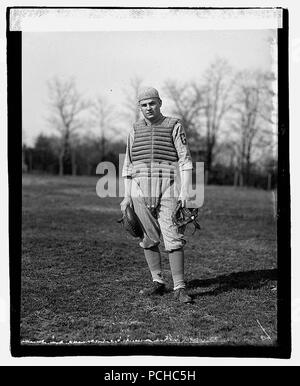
156, 145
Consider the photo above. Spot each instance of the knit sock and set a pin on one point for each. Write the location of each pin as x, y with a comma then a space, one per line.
153, 259
176, 259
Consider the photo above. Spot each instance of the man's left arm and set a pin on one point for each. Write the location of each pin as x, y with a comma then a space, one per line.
184, 161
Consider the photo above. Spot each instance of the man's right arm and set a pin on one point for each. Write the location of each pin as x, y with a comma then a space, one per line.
127, 166
127, 172
127, 201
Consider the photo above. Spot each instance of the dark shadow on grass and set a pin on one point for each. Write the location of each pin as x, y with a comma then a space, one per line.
236, 280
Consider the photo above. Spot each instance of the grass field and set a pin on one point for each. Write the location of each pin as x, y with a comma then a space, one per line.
82, 274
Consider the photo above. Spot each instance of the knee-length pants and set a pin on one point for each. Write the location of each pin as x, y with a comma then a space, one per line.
159, 226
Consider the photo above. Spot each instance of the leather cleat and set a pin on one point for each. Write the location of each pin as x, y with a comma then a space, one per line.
156, 289
181, 295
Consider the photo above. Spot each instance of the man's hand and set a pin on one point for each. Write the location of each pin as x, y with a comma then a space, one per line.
127, 201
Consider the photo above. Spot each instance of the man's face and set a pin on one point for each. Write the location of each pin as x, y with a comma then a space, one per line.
151, 108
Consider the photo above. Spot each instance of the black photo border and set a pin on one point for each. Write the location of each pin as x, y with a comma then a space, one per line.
14, 104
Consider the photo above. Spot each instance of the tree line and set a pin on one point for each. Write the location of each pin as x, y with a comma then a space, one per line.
229, 118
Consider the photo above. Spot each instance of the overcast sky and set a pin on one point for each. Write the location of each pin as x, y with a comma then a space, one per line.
104, 62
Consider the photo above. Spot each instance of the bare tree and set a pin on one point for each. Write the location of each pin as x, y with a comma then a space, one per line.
253, 111
202, 106
102, 117
67, 107
226, 153
186, 101
131, 96
216, 94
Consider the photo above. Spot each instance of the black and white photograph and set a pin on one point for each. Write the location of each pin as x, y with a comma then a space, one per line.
154, 189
